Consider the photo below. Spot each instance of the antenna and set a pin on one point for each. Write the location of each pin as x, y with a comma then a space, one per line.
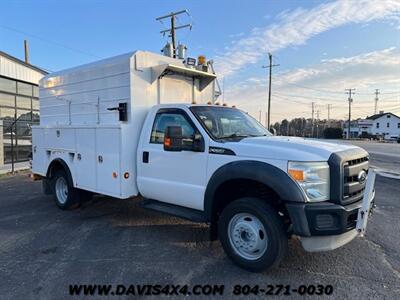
172, 30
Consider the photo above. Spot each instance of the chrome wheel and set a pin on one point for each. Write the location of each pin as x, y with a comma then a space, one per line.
247, 236
61, 189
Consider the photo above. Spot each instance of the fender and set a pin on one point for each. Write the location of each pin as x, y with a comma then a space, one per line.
271, 176
65, 167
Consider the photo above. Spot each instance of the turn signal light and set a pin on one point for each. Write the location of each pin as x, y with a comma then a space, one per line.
126, 175
297, 175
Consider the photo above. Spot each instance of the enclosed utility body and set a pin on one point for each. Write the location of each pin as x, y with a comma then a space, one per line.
91, 116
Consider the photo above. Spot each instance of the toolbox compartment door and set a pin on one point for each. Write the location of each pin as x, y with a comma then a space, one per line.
85, 163
108, 158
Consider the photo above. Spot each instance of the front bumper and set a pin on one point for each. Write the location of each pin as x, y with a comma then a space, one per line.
326, 226
321, 219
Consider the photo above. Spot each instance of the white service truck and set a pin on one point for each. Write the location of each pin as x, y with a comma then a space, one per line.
139, 125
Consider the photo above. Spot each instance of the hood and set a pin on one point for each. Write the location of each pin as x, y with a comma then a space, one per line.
286, 148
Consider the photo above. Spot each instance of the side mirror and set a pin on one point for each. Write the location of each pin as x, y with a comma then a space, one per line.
174, 141
173, 138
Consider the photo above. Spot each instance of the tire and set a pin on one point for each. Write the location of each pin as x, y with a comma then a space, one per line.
65, 195
252, 234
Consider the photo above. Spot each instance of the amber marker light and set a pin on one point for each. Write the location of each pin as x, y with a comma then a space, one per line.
297, 175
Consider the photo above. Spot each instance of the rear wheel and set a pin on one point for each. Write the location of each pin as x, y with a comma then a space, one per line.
252, 234
65, 195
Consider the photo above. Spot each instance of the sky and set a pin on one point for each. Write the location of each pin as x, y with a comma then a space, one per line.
322, 47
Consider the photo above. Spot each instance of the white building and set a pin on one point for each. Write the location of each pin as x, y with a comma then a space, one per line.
382, 125
386, 125
19, 106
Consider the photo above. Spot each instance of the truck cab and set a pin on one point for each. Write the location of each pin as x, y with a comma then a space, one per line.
203, 162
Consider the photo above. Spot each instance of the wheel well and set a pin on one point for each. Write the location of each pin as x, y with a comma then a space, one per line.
234, 189
56, 165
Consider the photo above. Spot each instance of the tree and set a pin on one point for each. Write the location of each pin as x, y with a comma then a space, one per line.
284, 128
333, 133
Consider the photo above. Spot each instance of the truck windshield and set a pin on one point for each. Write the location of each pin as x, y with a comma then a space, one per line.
228, 123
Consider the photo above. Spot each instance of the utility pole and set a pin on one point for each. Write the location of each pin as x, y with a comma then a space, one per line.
259, 116
329, 114
376, 101
317, 124
312, 119
349, 92
266, 117
173, 29
26, 48
269, 87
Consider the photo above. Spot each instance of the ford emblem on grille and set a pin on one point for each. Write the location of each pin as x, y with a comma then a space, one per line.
362, 176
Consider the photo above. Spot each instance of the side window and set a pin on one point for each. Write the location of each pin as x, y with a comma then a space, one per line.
163, 120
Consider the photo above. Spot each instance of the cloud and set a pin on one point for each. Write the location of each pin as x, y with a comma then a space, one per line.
295, 27
294, 90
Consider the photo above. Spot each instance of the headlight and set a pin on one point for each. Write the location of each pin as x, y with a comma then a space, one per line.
313, 177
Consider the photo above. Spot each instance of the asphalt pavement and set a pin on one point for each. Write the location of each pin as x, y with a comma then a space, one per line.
385, 157
43, 250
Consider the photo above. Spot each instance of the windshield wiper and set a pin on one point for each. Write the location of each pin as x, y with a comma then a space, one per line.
234, 135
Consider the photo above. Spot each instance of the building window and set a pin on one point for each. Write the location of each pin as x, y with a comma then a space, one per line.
8, 85
7, 100
35, 91
398, 125
18, 100
388, 125
24, 102
377, 125
388, 116
25, 89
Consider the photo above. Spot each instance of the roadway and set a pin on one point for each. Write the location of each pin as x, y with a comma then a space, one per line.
385, 157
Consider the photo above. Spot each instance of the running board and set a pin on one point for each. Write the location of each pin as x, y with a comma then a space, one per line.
190, 214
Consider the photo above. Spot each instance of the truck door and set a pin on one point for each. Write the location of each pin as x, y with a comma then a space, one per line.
173, 177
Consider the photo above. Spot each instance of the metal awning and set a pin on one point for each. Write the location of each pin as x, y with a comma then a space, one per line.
205, 78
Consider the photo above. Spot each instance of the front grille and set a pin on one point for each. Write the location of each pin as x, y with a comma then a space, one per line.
345, 167
353, 190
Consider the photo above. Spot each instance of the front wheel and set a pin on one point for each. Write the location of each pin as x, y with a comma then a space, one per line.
252, 234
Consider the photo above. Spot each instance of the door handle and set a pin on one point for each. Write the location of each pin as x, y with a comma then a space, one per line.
145, 157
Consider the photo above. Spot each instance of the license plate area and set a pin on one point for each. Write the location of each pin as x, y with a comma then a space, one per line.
364, 211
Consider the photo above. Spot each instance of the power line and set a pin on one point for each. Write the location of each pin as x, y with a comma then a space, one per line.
49, 41
291, 100
309, 88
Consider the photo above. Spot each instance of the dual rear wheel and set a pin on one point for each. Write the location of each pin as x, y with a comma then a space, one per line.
65, 195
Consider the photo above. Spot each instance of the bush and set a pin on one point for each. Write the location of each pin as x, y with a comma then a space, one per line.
333, 133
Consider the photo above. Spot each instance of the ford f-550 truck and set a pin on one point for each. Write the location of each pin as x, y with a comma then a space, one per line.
139, 125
